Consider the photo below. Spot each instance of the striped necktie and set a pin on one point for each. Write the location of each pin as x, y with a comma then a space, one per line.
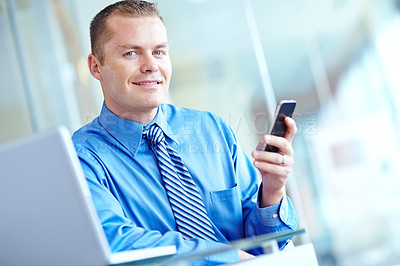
185, 200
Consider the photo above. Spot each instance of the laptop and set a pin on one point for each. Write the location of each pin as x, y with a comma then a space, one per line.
47, 216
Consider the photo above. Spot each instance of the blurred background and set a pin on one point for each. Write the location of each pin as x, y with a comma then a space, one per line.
339, 59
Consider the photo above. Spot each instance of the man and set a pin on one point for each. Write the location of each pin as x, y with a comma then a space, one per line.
165, 175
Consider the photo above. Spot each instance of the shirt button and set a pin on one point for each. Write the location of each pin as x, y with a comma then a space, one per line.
275, 215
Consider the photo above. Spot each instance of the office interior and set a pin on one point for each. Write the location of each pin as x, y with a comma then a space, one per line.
340, 60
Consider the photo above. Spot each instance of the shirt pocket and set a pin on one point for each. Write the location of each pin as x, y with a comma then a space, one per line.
227, 212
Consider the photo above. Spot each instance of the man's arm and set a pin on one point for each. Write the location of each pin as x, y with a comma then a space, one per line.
123, 234
259, 218
275, 167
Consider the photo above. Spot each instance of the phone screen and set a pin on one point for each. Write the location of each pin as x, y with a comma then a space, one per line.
285, 108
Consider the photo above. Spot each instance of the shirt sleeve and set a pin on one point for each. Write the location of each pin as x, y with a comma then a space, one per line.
257, 221
278, 217
124, 234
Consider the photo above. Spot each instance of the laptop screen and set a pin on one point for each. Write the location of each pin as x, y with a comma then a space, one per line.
47, 206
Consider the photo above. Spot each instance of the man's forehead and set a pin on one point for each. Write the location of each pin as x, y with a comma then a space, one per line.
116, 19
118, 24
160, 44
124, 35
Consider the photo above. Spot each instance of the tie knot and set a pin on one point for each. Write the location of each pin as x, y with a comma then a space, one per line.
155, 135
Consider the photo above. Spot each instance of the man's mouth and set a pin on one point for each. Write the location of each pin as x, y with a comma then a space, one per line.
151, 82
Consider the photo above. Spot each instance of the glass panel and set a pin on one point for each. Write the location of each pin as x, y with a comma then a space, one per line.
339, 59
57, 72
14, 112
214, 65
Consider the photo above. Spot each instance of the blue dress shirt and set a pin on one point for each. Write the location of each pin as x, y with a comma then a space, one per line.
128, 192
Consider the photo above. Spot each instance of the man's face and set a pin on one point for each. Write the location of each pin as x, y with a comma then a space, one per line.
136, 71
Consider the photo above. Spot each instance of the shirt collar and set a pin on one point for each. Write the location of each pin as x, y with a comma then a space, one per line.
129, 133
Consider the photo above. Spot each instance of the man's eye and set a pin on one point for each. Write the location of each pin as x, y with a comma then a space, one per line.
159, 52
129, 53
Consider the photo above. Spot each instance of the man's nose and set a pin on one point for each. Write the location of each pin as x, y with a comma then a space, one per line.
148, 63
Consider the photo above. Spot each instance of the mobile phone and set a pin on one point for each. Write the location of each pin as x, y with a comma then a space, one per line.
278, 127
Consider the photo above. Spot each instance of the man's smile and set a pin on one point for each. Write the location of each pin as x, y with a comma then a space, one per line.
148, 82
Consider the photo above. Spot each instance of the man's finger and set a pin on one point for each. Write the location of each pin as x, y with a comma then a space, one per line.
291, 129
281, 143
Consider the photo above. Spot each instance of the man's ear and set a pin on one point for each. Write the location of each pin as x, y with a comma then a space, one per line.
95, 67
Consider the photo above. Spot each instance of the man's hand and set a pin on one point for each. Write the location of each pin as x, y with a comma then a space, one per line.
275, 167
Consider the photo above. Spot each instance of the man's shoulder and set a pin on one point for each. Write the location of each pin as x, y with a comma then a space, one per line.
205, 123
87, 134
178, 112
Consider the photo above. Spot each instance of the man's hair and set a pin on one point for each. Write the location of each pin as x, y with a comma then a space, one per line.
100, 34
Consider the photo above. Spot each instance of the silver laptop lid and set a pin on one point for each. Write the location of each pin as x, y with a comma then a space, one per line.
47, 216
